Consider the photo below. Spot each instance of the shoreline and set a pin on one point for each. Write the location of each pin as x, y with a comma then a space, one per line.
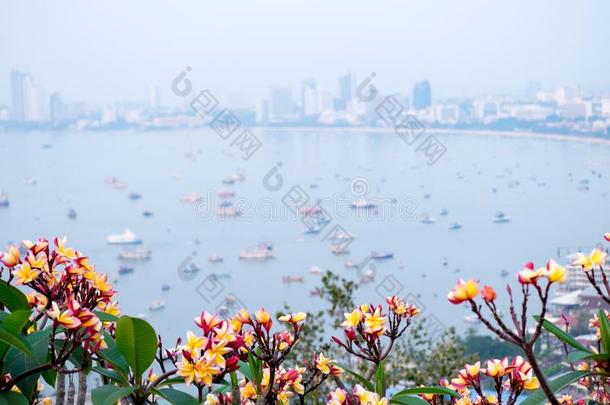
448, 131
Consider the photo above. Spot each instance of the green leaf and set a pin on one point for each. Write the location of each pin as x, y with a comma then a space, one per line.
556, 385
171, 381
577, 356
380, 380
604, 326
561, 335
137, 342
17, 362
427, 390
15, 322
113, 356
15, 340
12, 298
176, 397
244, 369
361, 379
13, 398
112, 374
110, 394
255, 369
407, 400
105, 317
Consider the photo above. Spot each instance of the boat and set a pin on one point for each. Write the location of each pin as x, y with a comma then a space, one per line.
4, 202
501, 218
350, 265
156, 305
215, 259
72, 213
382, 255
312, 230
427, 219
224, 193
228, 180
191, 198
262, 252
148, 214
227, 211
444, 212
30, 181
363, 203
125, 238
342, 235
367, 277
454, 226
339, 249
126, 270
504, 273
292, 279
191, 268
310, 210
219, 276
134, 196
165, 287
315, 270
135, 255
323, 220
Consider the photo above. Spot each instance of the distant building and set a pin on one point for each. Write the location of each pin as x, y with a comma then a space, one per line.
486, 109
17, 106
56, 108
280, 103
566, 95
154, 99
447, 113
346, 92
4, 113
605, 107
576, 110
422, 95
35, 101
530, 112
262, 111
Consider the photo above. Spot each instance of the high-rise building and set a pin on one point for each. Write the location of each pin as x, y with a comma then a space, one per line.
154, 99
56, 108
422, 95
346, 91
17, 107
262, 111
35, 101
280, 102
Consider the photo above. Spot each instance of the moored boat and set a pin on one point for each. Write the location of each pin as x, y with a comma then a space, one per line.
4, 202
156, 305
125, 238
135, 254
500, 218
215, 259
363, 203
454, 226
382, 255
126, 270
292, 279
262, 252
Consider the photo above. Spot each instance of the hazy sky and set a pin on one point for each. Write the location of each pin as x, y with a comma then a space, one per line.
115, 49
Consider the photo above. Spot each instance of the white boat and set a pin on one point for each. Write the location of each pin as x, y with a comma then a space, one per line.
215, 259
191, 268
363, 203
4, 202
292, 279
224, 193
343, 235
315, 270
262, 252
135, 254
156, 305
227, 212
339, 249
444, 212
427, 219
382, 255
191, 198
125, 238
350, 265
501, 218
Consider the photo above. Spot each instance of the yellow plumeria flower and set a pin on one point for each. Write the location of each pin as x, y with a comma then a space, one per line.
262, 316
588, 262
374, 323
352, 319
205, 371
26, 274
68, 253
194, 343
555, 273
323, 363
215, 354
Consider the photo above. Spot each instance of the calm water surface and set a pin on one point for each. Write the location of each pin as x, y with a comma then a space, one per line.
540, 185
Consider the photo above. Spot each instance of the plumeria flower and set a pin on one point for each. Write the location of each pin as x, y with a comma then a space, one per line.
337, 397
25, 273
401, 308
293, 318
65, 319
40, 245
10, 258
607, 236
463, 291
207, 322
263, 318
596, 258
555, 273
215, 353
67, 253
488, 293
352, 319
374, 323
323, 363
528, 275
194, 343
497, 368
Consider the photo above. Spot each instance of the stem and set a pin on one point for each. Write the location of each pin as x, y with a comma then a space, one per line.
60, 388
529, 353
82, 388
71, 392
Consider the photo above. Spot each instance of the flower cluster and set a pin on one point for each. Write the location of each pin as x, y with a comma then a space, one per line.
210, 356
595, 259
359, 396
65, 287
366, 324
